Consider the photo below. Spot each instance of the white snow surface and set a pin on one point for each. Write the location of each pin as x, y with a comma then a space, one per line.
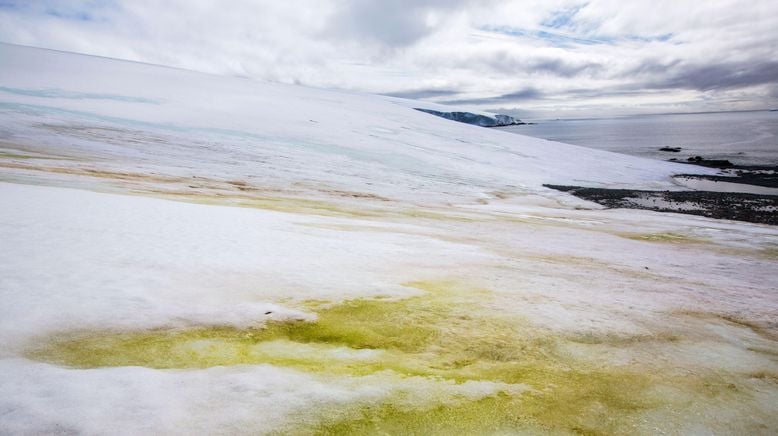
43, 399
130, 262
280, 134
341, 196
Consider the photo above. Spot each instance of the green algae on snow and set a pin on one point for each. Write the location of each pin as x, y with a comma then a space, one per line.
769, 252
422, 329
442, 334
667, 237
599, 407
265, 202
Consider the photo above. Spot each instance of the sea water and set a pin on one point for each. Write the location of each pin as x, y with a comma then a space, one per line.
743, 138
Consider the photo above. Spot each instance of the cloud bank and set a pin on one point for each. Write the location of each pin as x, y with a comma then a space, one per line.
532, 58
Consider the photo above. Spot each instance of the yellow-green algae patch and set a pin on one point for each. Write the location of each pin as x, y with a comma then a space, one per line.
266, 202
441, 328
666, 237
769, 252
323, 203
566, 405
758, 328
622, 340
6, 155
442, 334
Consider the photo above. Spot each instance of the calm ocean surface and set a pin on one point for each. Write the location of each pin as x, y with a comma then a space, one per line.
745, 138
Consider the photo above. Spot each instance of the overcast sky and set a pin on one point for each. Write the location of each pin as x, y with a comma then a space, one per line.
545, 58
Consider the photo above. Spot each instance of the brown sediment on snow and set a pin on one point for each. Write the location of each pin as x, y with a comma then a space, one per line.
666, 237
766, 329
211, 190
92, 172
352, 194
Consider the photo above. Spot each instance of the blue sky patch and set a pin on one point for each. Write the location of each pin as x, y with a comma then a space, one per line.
84, 10
555, 38
563, 18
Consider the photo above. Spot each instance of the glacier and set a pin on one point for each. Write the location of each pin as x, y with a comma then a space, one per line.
190, 253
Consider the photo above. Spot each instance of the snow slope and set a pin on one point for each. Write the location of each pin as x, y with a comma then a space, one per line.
185, 253
281, 134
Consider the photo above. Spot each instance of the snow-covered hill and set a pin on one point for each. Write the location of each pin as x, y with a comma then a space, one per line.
183, 253
280, 134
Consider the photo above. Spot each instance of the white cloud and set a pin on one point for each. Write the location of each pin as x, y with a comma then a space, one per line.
566, 57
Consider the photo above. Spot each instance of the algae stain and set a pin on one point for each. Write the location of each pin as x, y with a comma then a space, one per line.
441, 334
413, 328
5, 155
769, 252
758, 328
304, 205
490, 415
274, 203
623, 340
590, 402
666, 237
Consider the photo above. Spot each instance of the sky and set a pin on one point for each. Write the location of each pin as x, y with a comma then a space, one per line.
532, 59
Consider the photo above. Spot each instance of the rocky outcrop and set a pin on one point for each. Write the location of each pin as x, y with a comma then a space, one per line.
753, 208
710, 163
476, 119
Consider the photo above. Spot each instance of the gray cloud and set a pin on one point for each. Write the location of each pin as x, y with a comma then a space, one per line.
417, 94
721, 55
562, 68
510, 62
720, 76
651, 67
512, 97
587, 93
391, 24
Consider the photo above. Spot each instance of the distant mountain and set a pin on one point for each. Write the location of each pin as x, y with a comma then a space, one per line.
476, 119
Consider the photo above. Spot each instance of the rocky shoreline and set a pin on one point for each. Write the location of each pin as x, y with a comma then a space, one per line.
740, 192
754, 208
766, 176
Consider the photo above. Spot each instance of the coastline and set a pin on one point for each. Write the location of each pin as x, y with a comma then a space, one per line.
738, 206
741, 193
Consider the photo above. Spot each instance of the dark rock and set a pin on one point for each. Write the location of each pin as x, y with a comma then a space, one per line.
766, 176
738, 206
671, 149
710, 163
475, 119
